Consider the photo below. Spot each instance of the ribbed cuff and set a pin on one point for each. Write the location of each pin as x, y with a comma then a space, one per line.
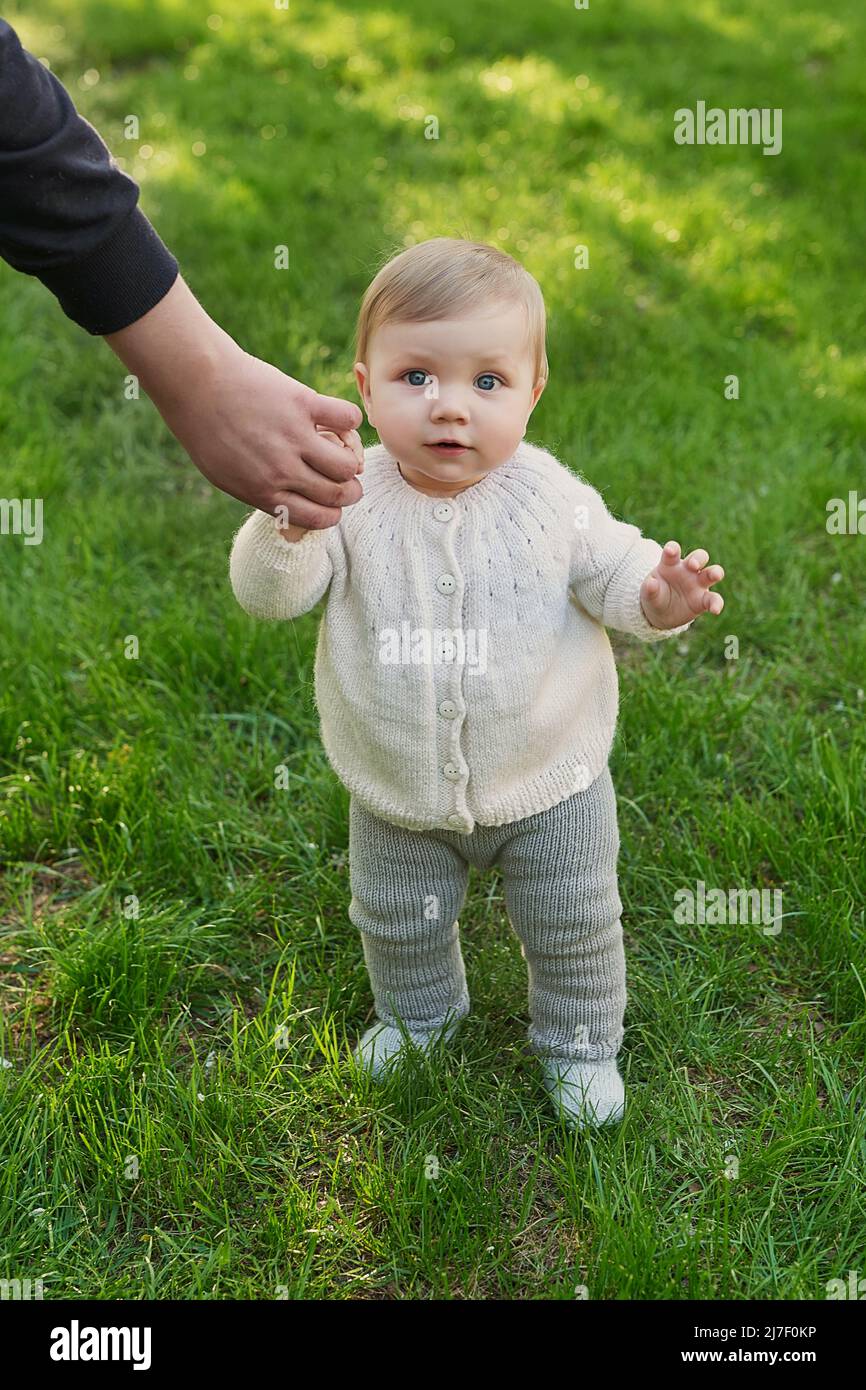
644, 630
118, 282
275, 551
622, 606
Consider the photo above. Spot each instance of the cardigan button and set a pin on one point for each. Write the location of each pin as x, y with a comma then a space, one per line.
452, 772
446, 583
443, 511
447, 709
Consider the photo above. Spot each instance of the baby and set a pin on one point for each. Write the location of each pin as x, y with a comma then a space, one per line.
464, 679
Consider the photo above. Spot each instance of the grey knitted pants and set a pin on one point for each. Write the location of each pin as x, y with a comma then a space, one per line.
561, 896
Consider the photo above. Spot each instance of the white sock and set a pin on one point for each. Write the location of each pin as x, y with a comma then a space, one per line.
585, 1093
381, 1042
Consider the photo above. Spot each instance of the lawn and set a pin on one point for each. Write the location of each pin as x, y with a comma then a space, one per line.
181, 984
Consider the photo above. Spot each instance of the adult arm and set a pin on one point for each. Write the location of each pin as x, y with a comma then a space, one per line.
68, 214
249, 428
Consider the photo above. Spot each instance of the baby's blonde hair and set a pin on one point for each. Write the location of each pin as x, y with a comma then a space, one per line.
444, 278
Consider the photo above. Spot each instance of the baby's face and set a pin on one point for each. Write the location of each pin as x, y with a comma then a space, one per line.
467, 379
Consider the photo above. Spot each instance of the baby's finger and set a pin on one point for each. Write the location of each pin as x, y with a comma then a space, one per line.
670, 553
352, 440
711, 575
697, 559
713, 603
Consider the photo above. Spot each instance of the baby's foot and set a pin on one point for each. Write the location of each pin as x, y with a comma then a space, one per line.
382, 1045
585, 1094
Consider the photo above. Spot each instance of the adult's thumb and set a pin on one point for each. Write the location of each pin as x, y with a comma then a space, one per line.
334, 414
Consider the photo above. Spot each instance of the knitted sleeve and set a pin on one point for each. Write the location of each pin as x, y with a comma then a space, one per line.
275, 578
610, 559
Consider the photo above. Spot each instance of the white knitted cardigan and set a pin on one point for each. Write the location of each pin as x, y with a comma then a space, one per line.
463, 672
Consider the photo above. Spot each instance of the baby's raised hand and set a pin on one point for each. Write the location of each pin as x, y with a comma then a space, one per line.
677, 590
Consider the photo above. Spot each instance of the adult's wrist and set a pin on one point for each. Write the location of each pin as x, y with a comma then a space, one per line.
174, 347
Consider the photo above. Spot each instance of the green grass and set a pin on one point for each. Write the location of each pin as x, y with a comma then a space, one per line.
179, 1119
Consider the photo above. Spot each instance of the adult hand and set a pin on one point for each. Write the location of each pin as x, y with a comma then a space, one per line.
249, 428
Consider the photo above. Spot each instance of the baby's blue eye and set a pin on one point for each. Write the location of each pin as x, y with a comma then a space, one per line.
419, 371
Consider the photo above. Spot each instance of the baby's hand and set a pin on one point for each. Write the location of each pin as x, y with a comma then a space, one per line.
351, 439
677, 590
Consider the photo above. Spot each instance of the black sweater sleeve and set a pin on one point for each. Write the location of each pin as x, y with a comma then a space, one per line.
68, 214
